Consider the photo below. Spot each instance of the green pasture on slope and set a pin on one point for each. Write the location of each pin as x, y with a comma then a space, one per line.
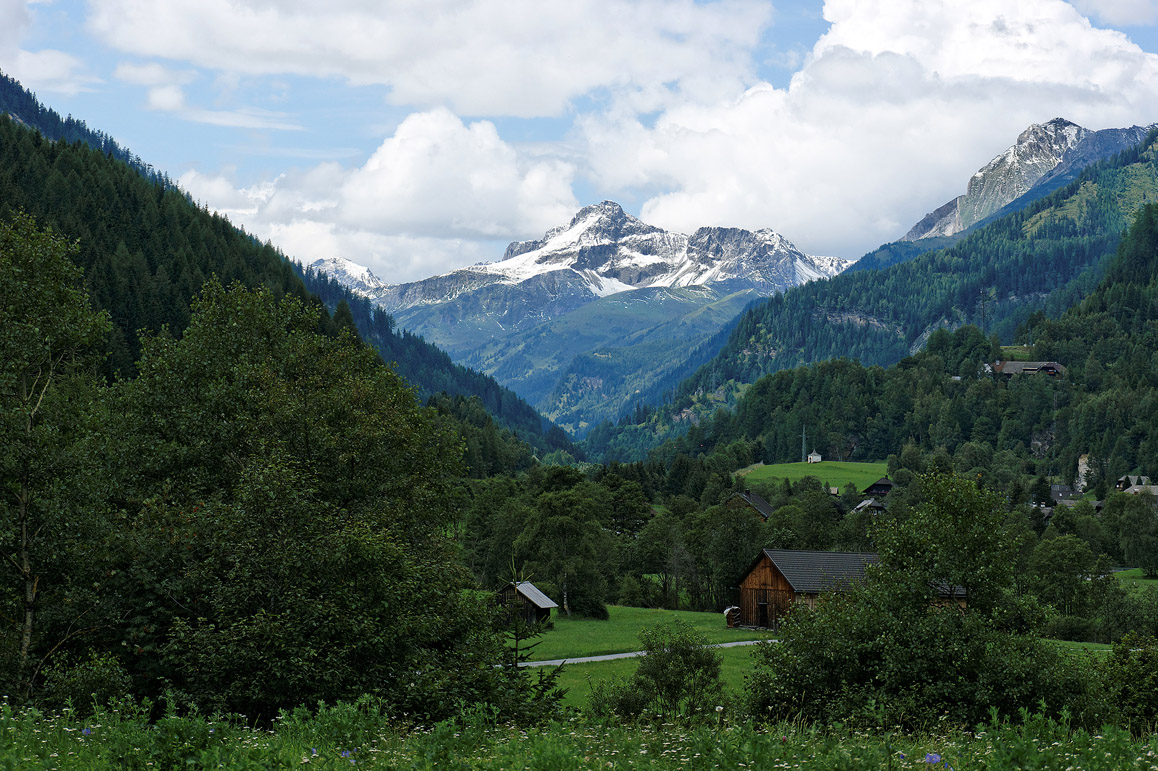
578, 637
832, 473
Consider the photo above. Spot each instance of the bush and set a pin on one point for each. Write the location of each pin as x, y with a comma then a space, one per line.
1131, 677
1073, 628
86, 685
679, 677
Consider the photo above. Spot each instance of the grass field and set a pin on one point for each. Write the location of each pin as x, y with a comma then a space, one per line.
574, 638
1134, 577
834, 473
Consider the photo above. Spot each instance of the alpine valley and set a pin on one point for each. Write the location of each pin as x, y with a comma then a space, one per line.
599, 313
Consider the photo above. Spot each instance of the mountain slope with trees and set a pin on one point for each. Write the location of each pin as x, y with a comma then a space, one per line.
1043, 258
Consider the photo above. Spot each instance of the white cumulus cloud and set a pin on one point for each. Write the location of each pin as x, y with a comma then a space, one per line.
478, 57
437, 194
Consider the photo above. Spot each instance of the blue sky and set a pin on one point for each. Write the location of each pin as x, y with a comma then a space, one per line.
416, 136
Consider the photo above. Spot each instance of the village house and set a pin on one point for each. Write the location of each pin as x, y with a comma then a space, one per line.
879, 488
1010, 368
1132, 484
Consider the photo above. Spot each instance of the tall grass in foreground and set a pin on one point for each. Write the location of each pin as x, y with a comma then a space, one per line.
357, 735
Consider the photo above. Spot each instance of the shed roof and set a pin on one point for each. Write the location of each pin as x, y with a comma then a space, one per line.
532, 593
820, 571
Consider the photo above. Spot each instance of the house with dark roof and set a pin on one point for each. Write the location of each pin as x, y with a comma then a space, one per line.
1010, 368
752, 500
1128, 482
525, 599
780, 578
879, 488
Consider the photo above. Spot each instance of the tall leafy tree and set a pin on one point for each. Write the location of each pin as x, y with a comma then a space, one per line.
47, 334
286, 521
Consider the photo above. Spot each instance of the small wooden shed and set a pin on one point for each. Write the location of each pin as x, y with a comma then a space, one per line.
531, 604
780, 578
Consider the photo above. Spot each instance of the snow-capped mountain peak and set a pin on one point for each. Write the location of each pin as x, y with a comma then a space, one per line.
358, 278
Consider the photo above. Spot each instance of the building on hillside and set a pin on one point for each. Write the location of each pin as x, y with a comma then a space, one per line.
780, 578
870, 505
814, 457
751, 499
1129, 482
1010, 368
879, 488
524, 598
1059, 493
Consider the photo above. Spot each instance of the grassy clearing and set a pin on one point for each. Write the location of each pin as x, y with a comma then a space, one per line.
1084, 646
1134, 577
574, 637
833, 473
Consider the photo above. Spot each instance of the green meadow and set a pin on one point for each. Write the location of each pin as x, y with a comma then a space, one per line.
579, 637
832, 473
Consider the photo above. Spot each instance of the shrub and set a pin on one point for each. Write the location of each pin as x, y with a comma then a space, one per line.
1131, 678
85, 685
679, 677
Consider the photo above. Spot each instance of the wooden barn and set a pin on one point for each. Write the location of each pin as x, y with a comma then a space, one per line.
779, 578
531, 604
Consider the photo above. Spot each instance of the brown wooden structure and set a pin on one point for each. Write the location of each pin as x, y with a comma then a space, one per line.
532, 605
780, 578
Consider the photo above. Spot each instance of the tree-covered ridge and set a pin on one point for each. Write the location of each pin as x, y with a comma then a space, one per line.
145, 250
22, 104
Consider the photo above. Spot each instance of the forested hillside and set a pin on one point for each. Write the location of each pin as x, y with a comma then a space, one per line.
146, 250
22, 104
1042, 258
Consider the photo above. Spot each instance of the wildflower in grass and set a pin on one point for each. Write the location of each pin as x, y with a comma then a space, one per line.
87, 731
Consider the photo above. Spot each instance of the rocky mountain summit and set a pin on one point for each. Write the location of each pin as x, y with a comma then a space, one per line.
603, 251
1044, 153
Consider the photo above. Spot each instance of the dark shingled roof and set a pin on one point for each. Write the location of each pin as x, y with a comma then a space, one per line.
755, 501
540, 600
821, 571
1028, 367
